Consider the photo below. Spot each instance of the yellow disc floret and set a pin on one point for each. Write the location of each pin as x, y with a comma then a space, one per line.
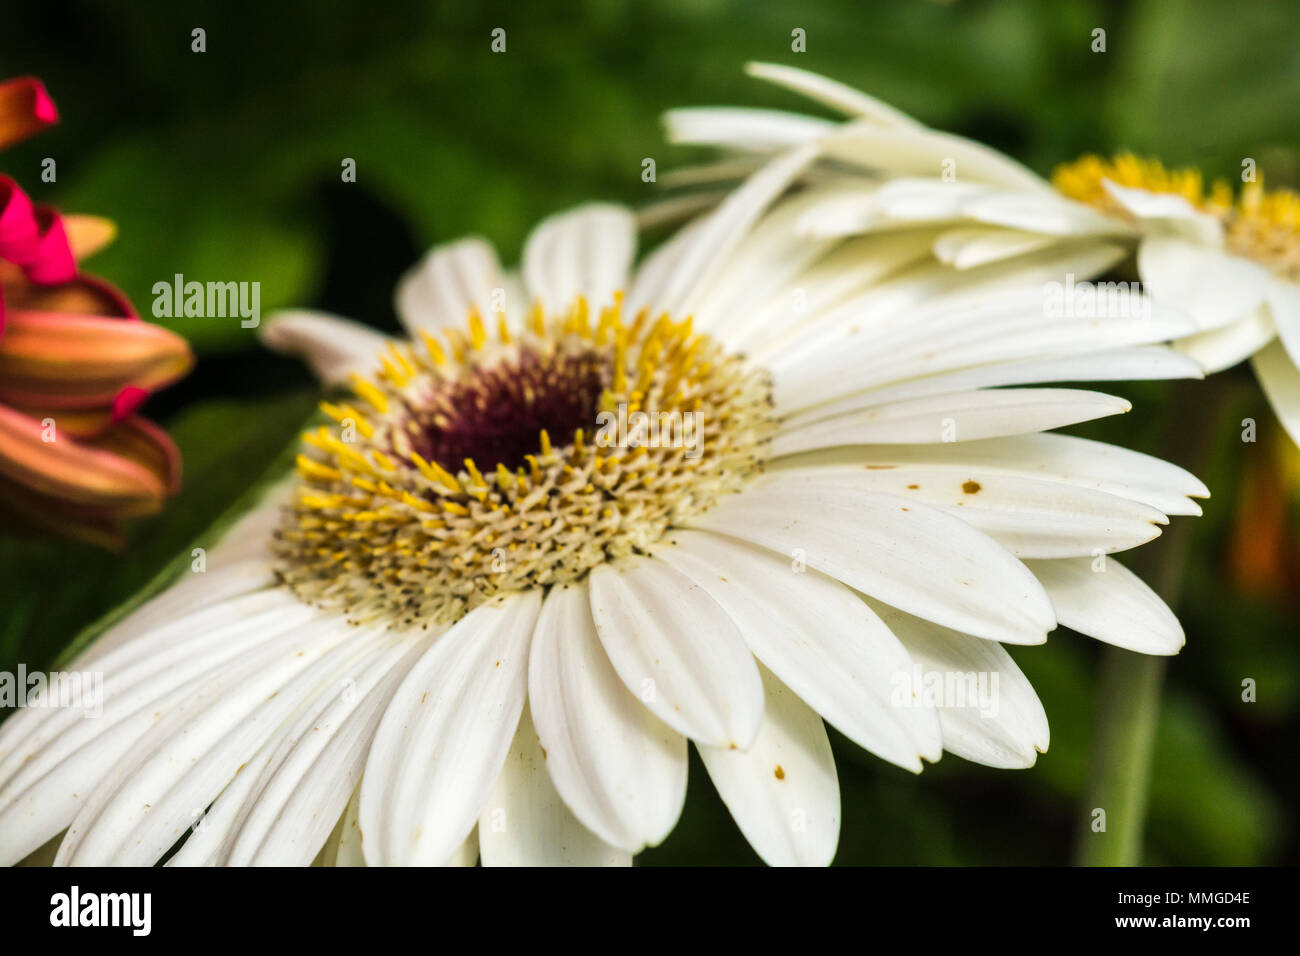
1259, 224
485, 461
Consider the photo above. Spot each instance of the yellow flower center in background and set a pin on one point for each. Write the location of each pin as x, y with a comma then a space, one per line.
1259, 224
475, 464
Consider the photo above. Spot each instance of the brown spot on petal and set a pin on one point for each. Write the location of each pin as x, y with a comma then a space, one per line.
780, 772
971, 487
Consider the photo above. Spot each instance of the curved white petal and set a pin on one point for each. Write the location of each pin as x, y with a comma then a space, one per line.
727, 225
915, 557
51, 758
933, 319
1052, 457
1124, 365
617, 766
1280, 380
170, 774
744, 128
525, 822
837, 96
1030, 517
1103, 599
1224, 347
1166, 213
1043, 212
817, 636
677, 651
451, 279
444, 737
587, 251
971, 246
783, 792
348, 851
1284, 307
952, 417
987, 708
1214, 287
918, 151
330, 345
848, 269
318, 762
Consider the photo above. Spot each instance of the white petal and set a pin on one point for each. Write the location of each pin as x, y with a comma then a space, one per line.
445, 735
657, 268
1030, 517
988, 710
933, 319
584, 251
1280, 380
155, 791
1224, 347
1214, 287
837, 96
916, 558
1048, 213
330, 345
677, 651
733, 127
847, 270
50, 758
724, 228
817, 636
972, 246
768, 257
1065, 458
1123, 365
955, 417
1103, 599
1167, 213
783, 792
620, 769
925, 152
318, 762
525, 823
451, 279
1284, 307
349, 851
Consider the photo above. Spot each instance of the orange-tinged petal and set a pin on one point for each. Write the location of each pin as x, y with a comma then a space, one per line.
72, 361
40, 512
139, 440
73, 471
80, 423
88, 234
86, 294
25, 108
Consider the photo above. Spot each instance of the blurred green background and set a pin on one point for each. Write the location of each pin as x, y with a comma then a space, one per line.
225, 166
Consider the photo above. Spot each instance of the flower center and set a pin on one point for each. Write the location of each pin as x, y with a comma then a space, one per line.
495, 412
1259, 224
440, 484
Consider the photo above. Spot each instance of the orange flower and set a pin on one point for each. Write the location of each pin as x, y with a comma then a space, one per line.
76, 363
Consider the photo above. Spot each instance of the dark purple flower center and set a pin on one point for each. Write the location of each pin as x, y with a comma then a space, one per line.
494, 413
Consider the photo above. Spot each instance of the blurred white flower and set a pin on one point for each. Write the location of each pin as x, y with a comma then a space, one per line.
1230, 261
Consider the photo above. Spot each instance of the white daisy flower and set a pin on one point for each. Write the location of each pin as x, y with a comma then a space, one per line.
487, 614
1231, 262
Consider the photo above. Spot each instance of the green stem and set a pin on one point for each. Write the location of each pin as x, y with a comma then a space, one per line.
1128, 702
1128, 708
